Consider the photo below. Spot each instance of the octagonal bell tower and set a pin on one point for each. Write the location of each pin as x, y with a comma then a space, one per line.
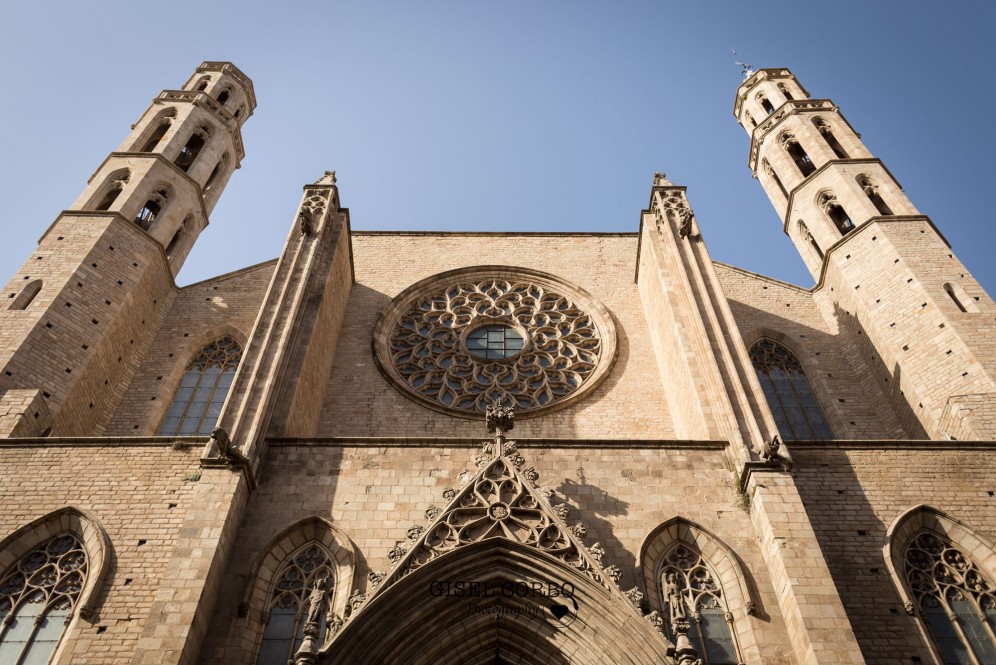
80, 311
888, 274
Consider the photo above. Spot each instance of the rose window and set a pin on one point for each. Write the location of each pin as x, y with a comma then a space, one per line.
462, 340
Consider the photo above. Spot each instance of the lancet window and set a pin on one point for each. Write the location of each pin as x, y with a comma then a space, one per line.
765, 104
955, 599
785, 91
835, 213
710, 622
203, 390
798, 155
37, 597
188, 153
788, 392
870, 189
831, 140
152, 209
118, 182
774, 176
299, 596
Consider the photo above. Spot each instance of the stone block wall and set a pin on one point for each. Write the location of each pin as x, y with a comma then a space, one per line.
372, 493
854, 492
162, 515
361, 402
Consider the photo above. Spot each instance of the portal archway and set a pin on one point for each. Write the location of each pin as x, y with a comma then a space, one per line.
432, 616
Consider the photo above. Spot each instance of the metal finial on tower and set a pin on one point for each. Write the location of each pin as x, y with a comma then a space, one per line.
748, 71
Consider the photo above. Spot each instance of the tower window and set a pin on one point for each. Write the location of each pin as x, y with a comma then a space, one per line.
174, 242
765, 104
798, 155
808, 236
203, 389
219, 167
785, 91
203, 84
152, 209
27, 295
774, 176
960, 298
223, 97
118, 183
871, 191
156, 136
833, 210
788, 392
831, 140
189, 152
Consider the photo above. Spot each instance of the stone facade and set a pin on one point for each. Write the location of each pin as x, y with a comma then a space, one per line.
686, 514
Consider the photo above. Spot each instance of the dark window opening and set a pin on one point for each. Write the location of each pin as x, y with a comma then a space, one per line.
202, 86
148, 214
189, 152
799, 156
223, 97
774, 176
27, 295
174, 243
156, 137
871, 191
831, 140
766, 105
785, 91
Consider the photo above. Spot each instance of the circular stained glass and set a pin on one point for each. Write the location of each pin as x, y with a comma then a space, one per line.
494, 342
462, 340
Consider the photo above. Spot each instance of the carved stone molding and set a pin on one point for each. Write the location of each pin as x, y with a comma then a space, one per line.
561, 343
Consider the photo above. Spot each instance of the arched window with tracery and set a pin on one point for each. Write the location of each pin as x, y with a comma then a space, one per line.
37, 597
955, 599
307, 573
203, 389
870, 189
765, 103
770, 171
711, 622
788, 392
827, 201
831, 140
799, 156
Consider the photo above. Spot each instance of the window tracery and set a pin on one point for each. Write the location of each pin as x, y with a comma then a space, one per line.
434, 343
788, 392
37, 598
307, 576
955, 599
203, 389
827, 201
152, 209
711, 631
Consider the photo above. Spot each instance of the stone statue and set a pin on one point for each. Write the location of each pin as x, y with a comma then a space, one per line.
675, 603
315, 602
500, 418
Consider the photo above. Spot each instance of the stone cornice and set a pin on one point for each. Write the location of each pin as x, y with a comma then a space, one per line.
234, 72
873, 222
205, 101
475, 442
761, 75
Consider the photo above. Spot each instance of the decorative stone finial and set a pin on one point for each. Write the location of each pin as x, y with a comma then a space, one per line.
500, 418
748, 71
327, 179
660, 180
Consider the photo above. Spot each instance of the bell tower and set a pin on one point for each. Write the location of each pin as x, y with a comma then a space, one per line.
84, 307
883, 268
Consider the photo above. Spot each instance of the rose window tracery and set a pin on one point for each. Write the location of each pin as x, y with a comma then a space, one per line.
459, 342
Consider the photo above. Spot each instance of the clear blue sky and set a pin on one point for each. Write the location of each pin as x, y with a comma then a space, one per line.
501, 116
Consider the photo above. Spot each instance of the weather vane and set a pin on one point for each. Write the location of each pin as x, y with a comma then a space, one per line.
748, 70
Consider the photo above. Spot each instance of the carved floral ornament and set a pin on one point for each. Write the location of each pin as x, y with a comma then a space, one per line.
463, 339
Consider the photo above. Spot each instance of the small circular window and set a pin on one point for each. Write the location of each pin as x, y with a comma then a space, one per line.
495, 342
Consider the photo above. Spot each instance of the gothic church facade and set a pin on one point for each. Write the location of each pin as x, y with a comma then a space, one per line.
381, 447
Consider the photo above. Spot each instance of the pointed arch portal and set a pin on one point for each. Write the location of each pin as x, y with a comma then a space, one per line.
426, 618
